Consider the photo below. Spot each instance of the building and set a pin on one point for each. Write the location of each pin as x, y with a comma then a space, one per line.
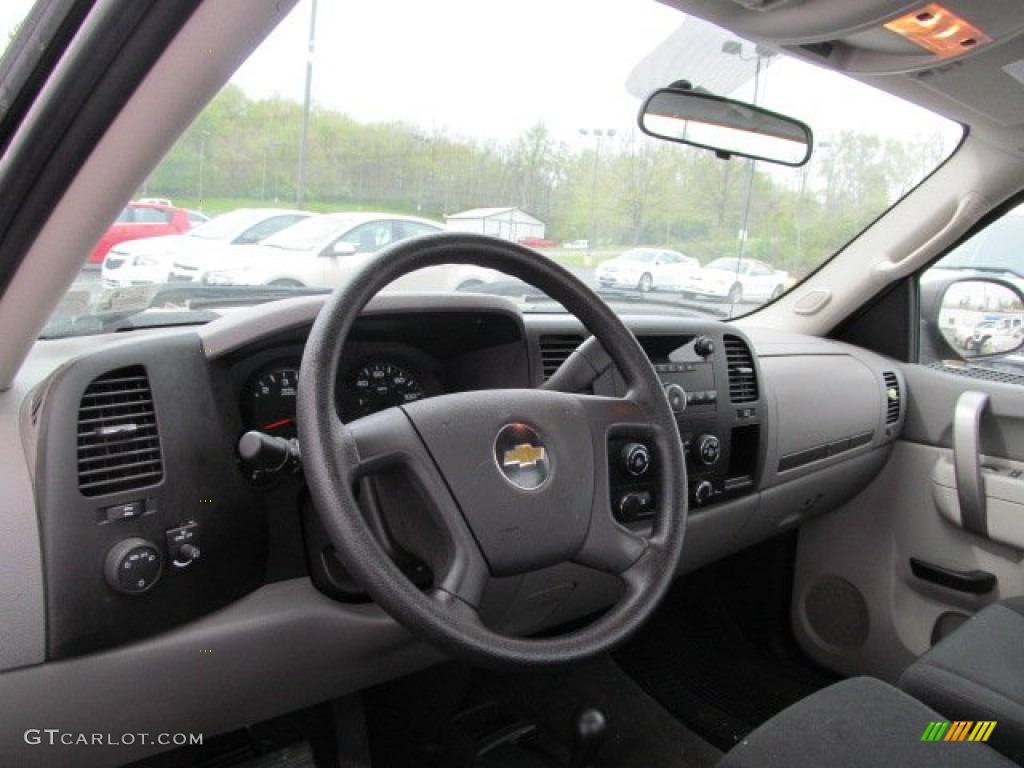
506, 223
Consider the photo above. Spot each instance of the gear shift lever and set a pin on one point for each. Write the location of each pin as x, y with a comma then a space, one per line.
588, 731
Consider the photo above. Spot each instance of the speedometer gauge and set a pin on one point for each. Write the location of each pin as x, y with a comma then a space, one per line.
380, 385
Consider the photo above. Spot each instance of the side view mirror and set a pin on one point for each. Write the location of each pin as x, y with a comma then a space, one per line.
342, 248
725, 126
981, 317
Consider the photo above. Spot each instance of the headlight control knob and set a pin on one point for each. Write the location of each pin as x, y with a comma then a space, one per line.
636, 458
133, 566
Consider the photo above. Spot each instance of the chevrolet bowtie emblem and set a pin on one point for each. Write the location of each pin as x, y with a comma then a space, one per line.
523, 455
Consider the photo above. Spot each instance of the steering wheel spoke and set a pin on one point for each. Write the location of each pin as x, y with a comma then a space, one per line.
386, 443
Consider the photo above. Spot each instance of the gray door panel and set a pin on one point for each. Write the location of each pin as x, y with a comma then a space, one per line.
857, 606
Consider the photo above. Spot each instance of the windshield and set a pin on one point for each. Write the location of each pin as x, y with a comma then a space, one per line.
528, 135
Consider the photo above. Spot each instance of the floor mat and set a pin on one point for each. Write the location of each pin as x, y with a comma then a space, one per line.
693, 659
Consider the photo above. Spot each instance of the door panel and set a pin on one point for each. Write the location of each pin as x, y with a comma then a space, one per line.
858, 606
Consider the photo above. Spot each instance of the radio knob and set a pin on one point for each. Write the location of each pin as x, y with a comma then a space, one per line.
636, 458
133, 566
704, 346
703, 492
709, 449
676, 398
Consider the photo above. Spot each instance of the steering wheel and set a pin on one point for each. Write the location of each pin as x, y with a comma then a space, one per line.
512, 480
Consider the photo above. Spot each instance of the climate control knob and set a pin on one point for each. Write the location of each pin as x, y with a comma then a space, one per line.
703, 492
133, 566
709, 449
636, 458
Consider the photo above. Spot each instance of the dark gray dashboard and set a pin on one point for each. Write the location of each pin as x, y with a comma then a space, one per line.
801, 424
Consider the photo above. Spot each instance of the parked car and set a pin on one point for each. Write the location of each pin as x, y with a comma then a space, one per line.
737, 280
576, 245
138, 220
647, 269
148, 261
323, 250
537, 242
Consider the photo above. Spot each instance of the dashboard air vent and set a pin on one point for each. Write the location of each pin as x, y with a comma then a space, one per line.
118, 444
742, 378
554, 349
892, 397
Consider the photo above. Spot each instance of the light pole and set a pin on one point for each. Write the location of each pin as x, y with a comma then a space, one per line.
300, 196
598, 134
735, 48
202, 162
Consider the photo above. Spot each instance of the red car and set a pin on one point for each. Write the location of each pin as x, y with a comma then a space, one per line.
537, 242
139, 220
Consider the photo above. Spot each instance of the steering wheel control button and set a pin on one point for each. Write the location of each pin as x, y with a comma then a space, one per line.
636, 458
677, 398
635, 505
522, 457
183, 545
709, 449
703, 492
133, 566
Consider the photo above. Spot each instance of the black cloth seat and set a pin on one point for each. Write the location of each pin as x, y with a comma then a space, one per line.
977, 673
858, 722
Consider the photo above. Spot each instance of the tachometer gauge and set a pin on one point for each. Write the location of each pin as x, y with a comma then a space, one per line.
380, 385
272, 402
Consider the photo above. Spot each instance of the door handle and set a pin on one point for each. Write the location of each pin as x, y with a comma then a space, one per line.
970, 488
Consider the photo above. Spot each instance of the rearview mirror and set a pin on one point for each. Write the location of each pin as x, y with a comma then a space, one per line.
727, 127
979, 318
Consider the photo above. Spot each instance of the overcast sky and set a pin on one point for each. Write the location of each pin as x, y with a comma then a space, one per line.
479, 69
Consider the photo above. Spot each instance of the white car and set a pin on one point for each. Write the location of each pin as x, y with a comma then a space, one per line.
737, 280
149, 261
648, 269
324, 250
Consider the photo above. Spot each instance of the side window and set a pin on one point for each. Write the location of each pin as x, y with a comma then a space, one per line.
971, 302
759, 270
370, 237
266, 228
126, 216
413, 228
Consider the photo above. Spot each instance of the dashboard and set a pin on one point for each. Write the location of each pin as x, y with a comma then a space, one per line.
149, 518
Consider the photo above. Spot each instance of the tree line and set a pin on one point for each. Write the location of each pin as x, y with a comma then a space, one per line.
633, 190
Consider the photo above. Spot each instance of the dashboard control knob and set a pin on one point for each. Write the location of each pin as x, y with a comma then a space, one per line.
636, 458
676, 398
703, 492
704, 346
133, 566
709, 449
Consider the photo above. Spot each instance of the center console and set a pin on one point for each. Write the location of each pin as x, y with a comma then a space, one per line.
712, 384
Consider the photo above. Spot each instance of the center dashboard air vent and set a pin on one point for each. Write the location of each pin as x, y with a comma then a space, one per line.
892, 397
554, 349
118, 442
742, 375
